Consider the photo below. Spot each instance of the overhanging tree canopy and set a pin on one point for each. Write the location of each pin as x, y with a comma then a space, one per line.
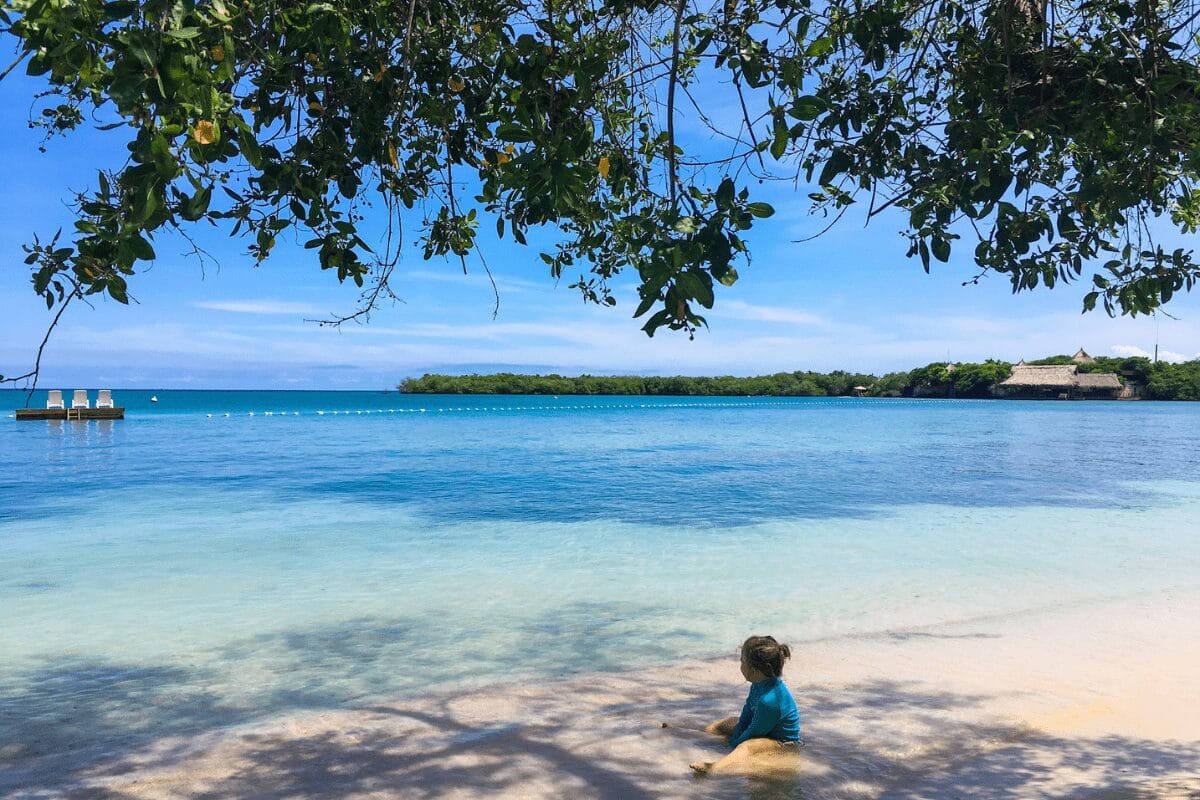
1052, 139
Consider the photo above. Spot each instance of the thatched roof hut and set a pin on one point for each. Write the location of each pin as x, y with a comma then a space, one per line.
1082, 357
1062, 381
1098, 380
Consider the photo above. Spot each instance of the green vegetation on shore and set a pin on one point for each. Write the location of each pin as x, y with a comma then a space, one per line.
1157, 381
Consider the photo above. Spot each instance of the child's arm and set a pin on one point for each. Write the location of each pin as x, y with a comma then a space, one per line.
744, 719
763, 718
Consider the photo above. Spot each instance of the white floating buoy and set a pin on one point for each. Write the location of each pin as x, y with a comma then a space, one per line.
252, 413
226, 414
153, 398
210, 416
269, 413
320, 413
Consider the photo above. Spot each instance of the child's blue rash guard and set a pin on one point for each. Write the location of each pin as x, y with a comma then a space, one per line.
770, 712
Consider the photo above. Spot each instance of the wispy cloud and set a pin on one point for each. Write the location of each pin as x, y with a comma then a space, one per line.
737, 309
259, 306
960, 325
478, 277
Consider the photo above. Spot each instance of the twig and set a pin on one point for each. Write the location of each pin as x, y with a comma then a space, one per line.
824, 230
492, 279
382, 288
37, 362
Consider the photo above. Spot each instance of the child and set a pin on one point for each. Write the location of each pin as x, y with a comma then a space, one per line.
769, 724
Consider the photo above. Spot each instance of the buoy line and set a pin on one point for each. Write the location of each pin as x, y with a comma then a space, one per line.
796, 403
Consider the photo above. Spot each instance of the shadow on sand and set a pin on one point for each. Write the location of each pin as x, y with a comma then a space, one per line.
556, 747
60, 719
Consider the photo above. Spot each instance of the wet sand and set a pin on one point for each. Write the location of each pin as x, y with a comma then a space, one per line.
1098, 701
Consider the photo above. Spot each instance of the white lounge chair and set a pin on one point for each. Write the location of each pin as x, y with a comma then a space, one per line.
54, 399
80, 400
104, 398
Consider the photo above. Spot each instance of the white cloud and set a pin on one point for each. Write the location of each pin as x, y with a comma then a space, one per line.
1129, 351
1132, 351
259, 306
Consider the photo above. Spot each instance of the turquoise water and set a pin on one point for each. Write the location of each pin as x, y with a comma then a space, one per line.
182, 569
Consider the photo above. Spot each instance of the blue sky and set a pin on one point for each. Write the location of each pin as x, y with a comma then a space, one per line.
849, 300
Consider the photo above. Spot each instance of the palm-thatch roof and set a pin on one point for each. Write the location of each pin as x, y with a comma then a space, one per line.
1047, 376
1058, 376
1097, 380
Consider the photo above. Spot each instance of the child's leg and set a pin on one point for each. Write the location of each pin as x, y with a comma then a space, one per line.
753, 756
723, 727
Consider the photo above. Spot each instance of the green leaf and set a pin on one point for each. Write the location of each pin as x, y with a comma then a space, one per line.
839, 161
117, 289
513, 133
807, 107
941, 248
141, 248
250, 149
819, 47
781, 138
724, 197
195, 206
645, 305
657, 321
696, 285
347, 184
1066, 225
41, 279
119, 9
760, 209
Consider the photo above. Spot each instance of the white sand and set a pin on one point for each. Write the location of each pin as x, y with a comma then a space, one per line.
1099, 701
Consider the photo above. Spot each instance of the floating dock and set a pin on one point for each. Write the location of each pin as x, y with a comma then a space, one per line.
71, 413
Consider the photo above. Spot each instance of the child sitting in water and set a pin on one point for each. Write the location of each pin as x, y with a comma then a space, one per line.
769, 724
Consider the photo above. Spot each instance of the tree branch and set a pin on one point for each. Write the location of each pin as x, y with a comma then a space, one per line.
672, 167
13, 65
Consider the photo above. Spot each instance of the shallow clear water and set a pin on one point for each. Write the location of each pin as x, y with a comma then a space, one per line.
175, 570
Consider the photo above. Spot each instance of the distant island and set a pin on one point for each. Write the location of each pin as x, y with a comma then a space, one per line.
1080, 376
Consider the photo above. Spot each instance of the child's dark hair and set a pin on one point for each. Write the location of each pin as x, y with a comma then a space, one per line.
766, 655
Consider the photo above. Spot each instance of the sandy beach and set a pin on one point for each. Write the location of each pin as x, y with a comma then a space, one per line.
1092, 701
